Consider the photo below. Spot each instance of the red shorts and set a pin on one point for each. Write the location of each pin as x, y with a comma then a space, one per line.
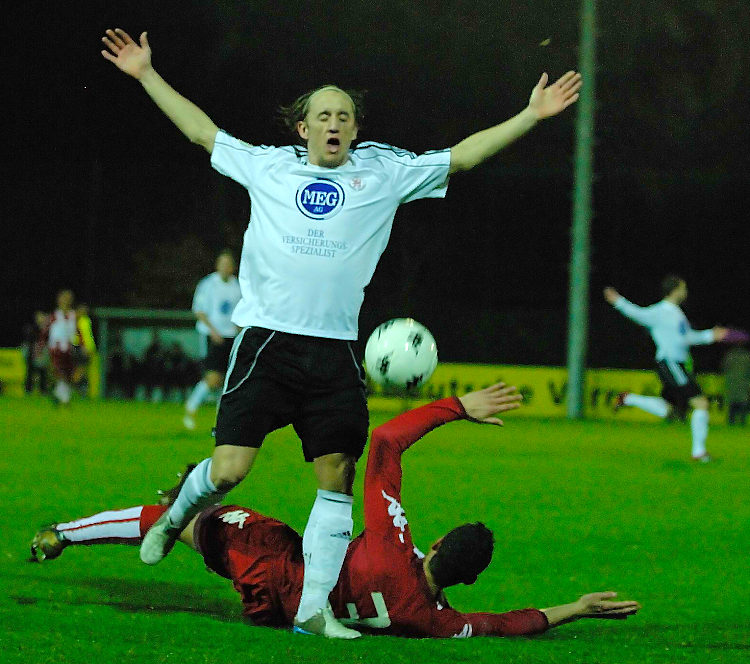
262, 557
62, 363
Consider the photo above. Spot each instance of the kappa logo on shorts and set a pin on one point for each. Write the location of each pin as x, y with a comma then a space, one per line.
320, 199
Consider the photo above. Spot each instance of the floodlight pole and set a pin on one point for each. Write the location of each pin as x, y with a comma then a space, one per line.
578, 290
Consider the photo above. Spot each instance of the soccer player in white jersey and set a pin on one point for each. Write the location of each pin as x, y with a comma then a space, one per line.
61, 331
214, 301
321, 216
673, 337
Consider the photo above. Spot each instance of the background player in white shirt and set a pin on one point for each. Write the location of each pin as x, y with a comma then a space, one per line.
320, 219
214, 301
673, 337
62, 330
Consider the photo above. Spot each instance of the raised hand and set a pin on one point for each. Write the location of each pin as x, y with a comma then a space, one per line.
548, 100
497, 398
132, 58
611, 295
598, 605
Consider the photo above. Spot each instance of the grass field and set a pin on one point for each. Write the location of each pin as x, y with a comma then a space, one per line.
575, 507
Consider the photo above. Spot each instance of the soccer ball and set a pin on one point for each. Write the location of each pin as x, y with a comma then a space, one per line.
401, 353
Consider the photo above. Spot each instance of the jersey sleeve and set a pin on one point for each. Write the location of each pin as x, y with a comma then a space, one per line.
414, 176
382, 494
446, 623
242, 162
646, 316
512, 623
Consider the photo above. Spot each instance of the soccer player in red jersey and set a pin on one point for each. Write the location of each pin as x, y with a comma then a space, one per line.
386, 585
61, 331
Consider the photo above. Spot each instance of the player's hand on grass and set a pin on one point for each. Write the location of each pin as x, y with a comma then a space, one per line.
481, 405
126, 54
548, 100
599, 605
611, 295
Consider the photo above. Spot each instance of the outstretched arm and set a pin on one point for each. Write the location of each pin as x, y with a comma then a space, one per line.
529, 621
382, 493
592, 605
135, 60
545, 101
645, 316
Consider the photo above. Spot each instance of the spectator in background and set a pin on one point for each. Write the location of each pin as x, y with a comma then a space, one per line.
154, 366
736, 368
121, 372
36, 353
62, 331
177, 371
213, 304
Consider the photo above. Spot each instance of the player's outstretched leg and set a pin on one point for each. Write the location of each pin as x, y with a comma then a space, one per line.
110, 527
196, 398
197, 493
654, 405
699, 429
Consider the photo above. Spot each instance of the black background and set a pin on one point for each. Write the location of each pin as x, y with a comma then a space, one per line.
104, 195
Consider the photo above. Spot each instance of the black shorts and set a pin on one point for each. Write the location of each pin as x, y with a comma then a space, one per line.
217, 355
275, 379
678, 384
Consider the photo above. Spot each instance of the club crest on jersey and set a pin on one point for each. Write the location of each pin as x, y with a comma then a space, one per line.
320, 199
357, 184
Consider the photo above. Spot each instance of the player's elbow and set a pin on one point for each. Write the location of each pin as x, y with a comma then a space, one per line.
460, 161
203, 135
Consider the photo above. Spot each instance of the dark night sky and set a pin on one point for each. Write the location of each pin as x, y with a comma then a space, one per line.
99, 182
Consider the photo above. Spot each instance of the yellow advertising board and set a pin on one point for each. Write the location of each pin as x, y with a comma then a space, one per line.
12, 372
545, 389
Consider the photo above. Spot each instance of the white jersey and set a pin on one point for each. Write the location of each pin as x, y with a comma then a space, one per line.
668, 326
217, 299
316, 234
63, 327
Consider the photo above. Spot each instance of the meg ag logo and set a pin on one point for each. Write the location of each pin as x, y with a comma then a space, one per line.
320, 199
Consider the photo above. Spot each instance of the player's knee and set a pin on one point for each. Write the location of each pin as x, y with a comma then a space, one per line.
335, 472
700, 402
227, 473
213, 379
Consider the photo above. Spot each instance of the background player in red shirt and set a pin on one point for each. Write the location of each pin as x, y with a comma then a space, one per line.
61, 331
386, 584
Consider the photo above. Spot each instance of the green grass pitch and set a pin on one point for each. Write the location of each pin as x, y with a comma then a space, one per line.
575, 507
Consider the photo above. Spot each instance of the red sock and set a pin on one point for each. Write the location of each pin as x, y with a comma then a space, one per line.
150, 515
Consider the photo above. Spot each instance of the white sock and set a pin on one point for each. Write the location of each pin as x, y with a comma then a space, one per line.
654, 405
699, 427
197, 397
63, 391
106, 527
196, 494
324, 545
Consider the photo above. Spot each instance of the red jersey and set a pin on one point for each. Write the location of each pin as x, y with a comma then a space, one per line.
382, 585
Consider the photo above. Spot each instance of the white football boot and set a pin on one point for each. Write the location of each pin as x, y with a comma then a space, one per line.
324, 623
158, 541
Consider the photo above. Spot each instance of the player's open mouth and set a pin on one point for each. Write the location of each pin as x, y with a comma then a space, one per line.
333, 144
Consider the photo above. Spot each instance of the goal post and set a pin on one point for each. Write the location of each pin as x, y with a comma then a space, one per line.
135, 327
